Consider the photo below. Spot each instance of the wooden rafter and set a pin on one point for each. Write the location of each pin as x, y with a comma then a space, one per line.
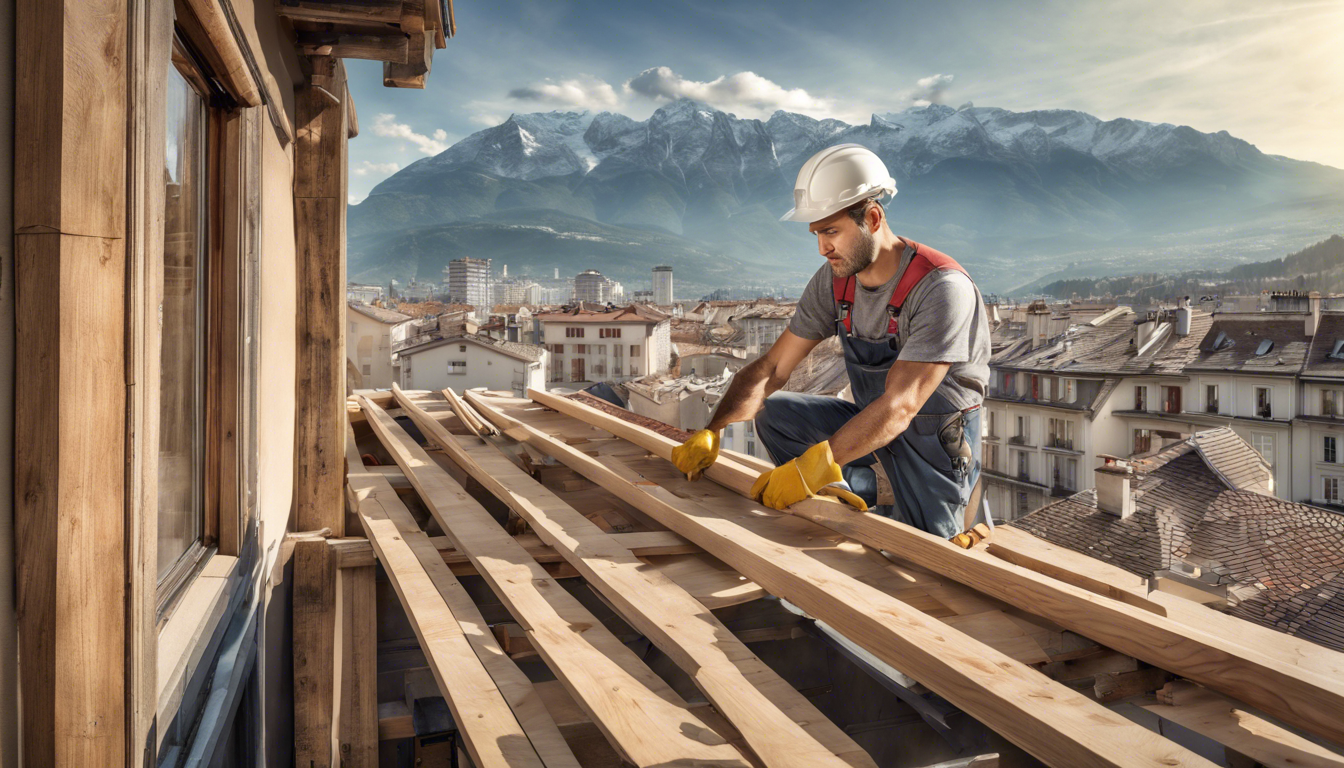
635, 709
744, 690
1302, 696
1049, 720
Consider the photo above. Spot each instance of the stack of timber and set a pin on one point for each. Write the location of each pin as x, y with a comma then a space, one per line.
1030, 644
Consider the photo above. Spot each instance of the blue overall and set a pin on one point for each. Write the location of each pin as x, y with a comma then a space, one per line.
930, 490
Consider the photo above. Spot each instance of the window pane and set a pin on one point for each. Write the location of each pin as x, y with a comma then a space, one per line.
181, 390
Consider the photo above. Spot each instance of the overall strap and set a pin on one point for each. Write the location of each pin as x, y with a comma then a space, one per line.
843, 290
924, 261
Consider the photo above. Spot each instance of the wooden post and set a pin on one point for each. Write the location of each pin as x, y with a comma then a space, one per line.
359, 668
319, 225
69, 431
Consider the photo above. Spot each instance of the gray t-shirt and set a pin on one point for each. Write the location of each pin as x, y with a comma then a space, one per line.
943, 320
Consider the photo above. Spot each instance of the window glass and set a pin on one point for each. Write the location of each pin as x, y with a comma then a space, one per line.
181, 494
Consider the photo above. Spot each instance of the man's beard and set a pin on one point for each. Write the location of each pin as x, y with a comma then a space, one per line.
860, 257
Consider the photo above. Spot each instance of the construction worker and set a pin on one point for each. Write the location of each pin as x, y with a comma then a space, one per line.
916, 343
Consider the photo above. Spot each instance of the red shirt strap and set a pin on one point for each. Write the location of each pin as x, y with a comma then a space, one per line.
924, 261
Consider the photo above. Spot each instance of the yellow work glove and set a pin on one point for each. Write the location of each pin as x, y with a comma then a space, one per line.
815, 473
697, 454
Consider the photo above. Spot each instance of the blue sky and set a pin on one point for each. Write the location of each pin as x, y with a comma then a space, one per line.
1268, 72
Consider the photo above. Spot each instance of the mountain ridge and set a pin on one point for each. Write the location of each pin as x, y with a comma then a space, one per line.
983, 183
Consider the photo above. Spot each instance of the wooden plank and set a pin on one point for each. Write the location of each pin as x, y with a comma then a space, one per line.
150, 43
358, 734
69, 489
635, 709
1299, 695
225, 52
778, 723
1224, 721
352, 116
360, 12
411, 69
1286, 648
1057, 725
491, 729
517, 690
1093, 575
70, 80
390, 46
314, 630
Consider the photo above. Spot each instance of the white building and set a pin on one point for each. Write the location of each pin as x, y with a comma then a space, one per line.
662, 285
595, 288
363, 294
467, 361
588, 345
761, 325
469, 282
369, 336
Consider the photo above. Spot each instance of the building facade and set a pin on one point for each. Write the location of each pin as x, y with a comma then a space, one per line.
369, 340
469, 361
662, 286
469, 281
588, 345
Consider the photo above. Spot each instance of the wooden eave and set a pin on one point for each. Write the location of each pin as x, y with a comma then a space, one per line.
402, 34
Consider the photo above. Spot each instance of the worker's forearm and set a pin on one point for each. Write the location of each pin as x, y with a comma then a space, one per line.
747, 392
875, 426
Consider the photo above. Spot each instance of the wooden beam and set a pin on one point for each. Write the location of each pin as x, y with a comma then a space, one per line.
1302, 696
635, 708
358, 734
315, 627
352, 118
358, 553
338, 12
778, 723
70, 388
319, 224
410, 72
233, 73
494, 736
1018, 546
513, 685
390, 46
1226, 722
1057, 725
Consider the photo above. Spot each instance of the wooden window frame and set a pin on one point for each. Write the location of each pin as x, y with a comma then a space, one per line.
230, 349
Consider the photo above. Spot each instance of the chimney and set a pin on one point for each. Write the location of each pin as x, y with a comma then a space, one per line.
1313, 312
1038, 324
1112, 481
1144, 328
1183, 316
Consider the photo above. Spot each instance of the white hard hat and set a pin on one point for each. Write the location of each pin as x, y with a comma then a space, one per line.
836, 178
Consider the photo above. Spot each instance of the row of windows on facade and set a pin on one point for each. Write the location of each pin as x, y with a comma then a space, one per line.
1063, 469
602, 333
1060, 432
580, 372
596, 349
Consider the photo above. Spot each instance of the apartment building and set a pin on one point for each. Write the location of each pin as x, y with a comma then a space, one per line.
469, 282
589, 345
1318, 426
662, 286
761, 325
369, 341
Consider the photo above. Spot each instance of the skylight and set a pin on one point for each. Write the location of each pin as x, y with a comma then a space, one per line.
1265, 347
1338, 352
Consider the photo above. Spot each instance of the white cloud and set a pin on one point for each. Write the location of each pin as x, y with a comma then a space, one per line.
385, 125
745, 92
582, 92
931, 89
365, 168
353, 199
488, 119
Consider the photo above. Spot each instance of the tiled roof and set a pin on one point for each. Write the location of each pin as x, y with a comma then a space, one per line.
768, 311
635, 313
1082, 349
378, 313
1328, 336
1242, 335
1281, 560
529, 352
1240, 465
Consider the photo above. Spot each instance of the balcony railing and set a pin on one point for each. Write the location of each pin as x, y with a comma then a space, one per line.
1024, 476
1060, 442
1018, 440
1264, 412
1211, 407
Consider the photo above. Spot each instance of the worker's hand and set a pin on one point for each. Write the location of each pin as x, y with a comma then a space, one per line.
815, 473
697, 454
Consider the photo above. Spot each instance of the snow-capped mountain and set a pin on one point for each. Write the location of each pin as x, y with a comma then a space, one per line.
980, 179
